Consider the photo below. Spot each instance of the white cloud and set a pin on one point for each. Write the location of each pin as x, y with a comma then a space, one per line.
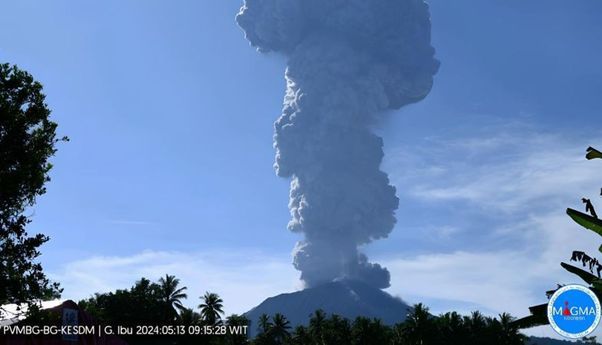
497, 169
242, 279
527, 176
530, 177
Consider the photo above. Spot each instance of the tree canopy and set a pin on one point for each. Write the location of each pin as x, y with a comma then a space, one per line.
27, 141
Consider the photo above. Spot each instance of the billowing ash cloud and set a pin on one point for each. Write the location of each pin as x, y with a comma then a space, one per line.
347, 61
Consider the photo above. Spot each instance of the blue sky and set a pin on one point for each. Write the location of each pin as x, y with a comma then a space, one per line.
169, 168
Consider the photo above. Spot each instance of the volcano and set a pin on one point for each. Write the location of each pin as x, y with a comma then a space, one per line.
346, 298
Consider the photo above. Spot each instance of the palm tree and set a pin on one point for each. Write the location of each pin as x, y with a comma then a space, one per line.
360, 330
189, 317
236, 337
477, 326
171, 295
419, 326
510, 334
398, 335
212, 308
301, 336
316, 326
452, 329
337, 330
264, 327
279, 331
264, 324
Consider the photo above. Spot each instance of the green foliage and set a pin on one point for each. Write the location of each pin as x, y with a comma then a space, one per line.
420, 328
592, 153
27, 141
585, 220
157, 304
143, 304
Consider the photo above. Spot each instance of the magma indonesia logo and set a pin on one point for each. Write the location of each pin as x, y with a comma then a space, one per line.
574, 311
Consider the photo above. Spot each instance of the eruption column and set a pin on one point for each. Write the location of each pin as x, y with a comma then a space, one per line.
348, 60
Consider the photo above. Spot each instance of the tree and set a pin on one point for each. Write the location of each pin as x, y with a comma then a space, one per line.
189, 317
140, 305
264, 324
171, 295
398, 335
419, 326
337, 330
211, 308
280, 329
316, 326
236, 338
27, 141
509, 333
300, 336
452, 330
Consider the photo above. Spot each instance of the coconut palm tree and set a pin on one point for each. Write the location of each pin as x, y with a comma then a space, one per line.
300, 336
235, 321
279, 331
361, 330
212, 308
509, 334
419, 326
337, 330
316, 326
189, 317
398, 335
171, 295
452, 330
264, 324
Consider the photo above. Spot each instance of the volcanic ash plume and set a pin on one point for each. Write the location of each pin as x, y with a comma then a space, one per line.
347, 61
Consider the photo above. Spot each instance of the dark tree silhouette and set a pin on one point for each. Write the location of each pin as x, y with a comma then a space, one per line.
211, 309
144, 304
171, 295
419, 326
27, 141
509, 333
316, 325
337, 330
300, 336
189, 317
279, 332
236, 338
264, 324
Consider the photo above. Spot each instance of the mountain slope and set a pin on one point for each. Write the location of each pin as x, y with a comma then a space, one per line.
345, 298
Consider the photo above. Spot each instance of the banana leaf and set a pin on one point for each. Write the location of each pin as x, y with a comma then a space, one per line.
585, 220
538, 317
586, 276
541, 309
593, 153
597, 284
530, 321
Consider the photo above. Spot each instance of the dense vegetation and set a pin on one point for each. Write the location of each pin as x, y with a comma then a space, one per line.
161, 303
27, 141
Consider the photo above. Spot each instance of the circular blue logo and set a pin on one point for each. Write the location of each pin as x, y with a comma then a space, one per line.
574, 311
